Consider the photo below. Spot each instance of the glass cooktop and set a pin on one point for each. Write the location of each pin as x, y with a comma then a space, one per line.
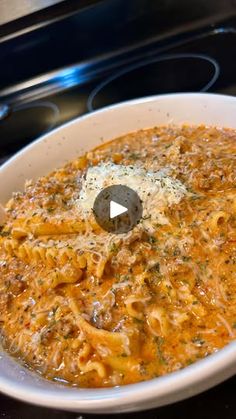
205, 62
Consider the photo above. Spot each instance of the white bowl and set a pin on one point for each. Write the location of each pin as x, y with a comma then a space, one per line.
53, 150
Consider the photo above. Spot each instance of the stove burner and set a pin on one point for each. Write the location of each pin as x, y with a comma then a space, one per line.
29, 121
48, 105
166, 74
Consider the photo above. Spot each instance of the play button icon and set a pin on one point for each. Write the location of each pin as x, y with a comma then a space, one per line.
117, 209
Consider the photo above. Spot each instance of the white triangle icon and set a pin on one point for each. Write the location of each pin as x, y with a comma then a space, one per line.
116, 209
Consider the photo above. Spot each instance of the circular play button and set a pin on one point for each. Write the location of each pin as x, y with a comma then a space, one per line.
117, 209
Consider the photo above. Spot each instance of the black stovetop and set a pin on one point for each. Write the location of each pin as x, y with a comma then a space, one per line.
196, 59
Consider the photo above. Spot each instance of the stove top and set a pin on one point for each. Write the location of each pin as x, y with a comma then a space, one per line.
200, 60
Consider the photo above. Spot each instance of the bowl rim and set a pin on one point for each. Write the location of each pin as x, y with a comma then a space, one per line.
172, 384
123, 104
104, 399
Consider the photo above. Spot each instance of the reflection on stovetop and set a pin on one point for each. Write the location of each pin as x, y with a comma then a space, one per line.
204, 63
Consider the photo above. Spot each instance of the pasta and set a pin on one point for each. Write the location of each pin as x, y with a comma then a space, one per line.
95, 309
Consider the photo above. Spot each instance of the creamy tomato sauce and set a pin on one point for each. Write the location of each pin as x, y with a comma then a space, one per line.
93, 309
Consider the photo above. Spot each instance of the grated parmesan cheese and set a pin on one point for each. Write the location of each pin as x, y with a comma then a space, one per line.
157, 190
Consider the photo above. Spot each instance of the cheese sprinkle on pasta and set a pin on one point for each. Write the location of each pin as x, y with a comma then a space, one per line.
156, 190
